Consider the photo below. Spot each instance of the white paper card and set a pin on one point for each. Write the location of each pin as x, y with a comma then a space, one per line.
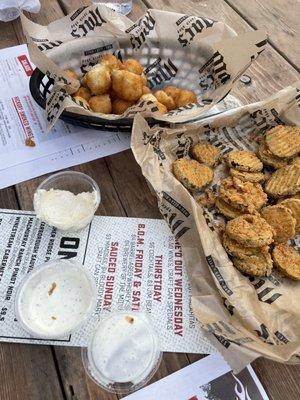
136, 263
209, 378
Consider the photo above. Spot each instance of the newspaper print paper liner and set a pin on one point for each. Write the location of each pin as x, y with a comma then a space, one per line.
192, 52
244, 317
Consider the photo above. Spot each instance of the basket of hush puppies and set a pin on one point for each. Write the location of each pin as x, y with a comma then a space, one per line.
99, 69
229, 189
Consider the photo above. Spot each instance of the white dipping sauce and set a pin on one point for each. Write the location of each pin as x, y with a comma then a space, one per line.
55, 299
65, 210
123, 349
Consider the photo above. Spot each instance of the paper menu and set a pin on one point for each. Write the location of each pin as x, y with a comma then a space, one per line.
209, 378
136, 263
21, 118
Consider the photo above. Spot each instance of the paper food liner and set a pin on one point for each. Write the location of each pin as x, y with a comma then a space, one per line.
244, 317
191, 52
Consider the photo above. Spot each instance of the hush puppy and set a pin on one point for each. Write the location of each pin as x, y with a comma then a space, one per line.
101, 104
98, 79
127, 85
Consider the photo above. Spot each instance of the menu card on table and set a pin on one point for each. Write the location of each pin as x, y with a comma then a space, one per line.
137, 265
22, 119
208, 379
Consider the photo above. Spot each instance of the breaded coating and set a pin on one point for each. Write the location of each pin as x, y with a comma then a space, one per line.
247, 176
296, 161
296, 196
83, 92
294, 206
191, 174
82, 100
119, 106
101, 104
133, 66
127, 85
245, 196
185, 97
282, 222
149, 97
172, 91
146, 90
206, 153
283, 141
144, 80
161, 107
71, 74
236, 249
284, 181
83, 82
165, 99
227, 210
250, 230
260, 264
110, 61
207, 199
287, 260
268, 158
98, 79
245, 161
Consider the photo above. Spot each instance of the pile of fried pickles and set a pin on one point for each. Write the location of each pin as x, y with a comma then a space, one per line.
262, 207
112, 86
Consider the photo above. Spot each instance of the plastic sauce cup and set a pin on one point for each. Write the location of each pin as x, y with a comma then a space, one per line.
123, 353
55, 299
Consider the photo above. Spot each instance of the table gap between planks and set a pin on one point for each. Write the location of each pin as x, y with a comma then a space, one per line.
45, 372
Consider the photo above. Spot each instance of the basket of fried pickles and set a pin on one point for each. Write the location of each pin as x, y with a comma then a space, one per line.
229, 189
262, 210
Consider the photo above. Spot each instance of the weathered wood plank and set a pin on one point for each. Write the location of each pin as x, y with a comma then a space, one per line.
279, 18
269, 73
28, 372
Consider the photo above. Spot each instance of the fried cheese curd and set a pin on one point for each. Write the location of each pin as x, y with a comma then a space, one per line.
149, 97
133, 66
119, 106
101, 104
98, 79
112, 86
83, 92
110, 61
127, 85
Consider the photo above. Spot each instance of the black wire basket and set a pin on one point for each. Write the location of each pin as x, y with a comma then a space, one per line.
40, 87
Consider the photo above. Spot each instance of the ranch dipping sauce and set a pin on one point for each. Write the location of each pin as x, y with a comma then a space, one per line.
65, 210
123, 352
55, 299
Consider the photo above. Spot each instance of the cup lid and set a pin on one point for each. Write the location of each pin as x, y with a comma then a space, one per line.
123, 352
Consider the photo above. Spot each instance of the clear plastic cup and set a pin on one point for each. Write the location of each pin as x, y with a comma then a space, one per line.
55, 299
71, 181
123, 353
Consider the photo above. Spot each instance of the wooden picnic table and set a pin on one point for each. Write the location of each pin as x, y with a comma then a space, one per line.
52, 373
